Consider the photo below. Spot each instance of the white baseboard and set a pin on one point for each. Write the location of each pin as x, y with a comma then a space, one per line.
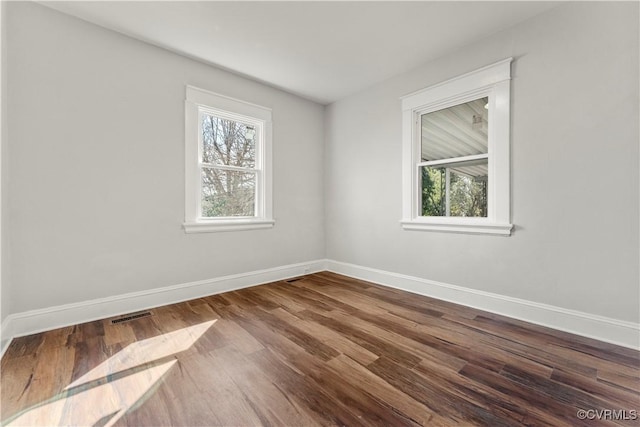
626, 334
34, 321
4, 341
605, 329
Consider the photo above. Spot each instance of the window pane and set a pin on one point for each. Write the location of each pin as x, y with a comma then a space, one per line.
226, 142
465, 195
456, 131
228, 193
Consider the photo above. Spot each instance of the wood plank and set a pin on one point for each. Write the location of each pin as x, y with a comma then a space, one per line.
268, 401
551, 412
355, 373
329, 337
328, 409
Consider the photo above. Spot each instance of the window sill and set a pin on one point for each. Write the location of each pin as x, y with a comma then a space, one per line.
458, 225
215, 226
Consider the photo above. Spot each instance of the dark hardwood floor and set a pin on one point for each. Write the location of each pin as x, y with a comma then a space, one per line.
321, 350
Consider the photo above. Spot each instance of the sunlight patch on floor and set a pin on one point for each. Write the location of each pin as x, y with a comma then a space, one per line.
146, 351
108, 391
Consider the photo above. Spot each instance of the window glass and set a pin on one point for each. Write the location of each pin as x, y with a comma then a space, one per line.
461, 130
227, 193
228, 142
458, 189
228, 167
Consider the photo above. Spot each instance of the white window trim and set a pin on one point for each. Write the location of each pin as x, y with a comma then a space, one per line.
492, 81
199, 101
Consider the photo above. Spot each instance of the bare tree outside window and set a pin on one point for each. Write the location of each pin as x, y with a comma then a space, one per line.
228, 168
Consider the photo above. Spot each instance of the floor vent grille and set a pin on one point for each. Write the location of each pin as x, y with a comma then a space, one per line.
129, 317
295, 279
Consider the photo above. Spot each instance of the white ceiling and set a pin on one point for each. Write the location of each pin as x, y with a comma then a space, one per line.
323, 51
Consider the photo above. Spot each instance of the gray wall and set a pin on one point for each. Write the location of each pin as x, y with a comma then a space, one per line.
96, 147
574, 168
4, 223
96, 186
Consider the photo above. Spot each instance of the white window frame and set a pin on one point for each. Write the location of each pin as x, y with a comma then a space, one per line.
492, 81
199, 102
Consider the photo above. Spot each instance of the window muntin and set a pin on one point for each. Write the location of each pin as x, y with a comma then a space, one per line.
456, 167
227, 163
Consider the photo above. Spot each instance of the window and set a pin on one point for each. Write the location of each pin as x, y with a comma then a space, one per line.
456, 154
227, 163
